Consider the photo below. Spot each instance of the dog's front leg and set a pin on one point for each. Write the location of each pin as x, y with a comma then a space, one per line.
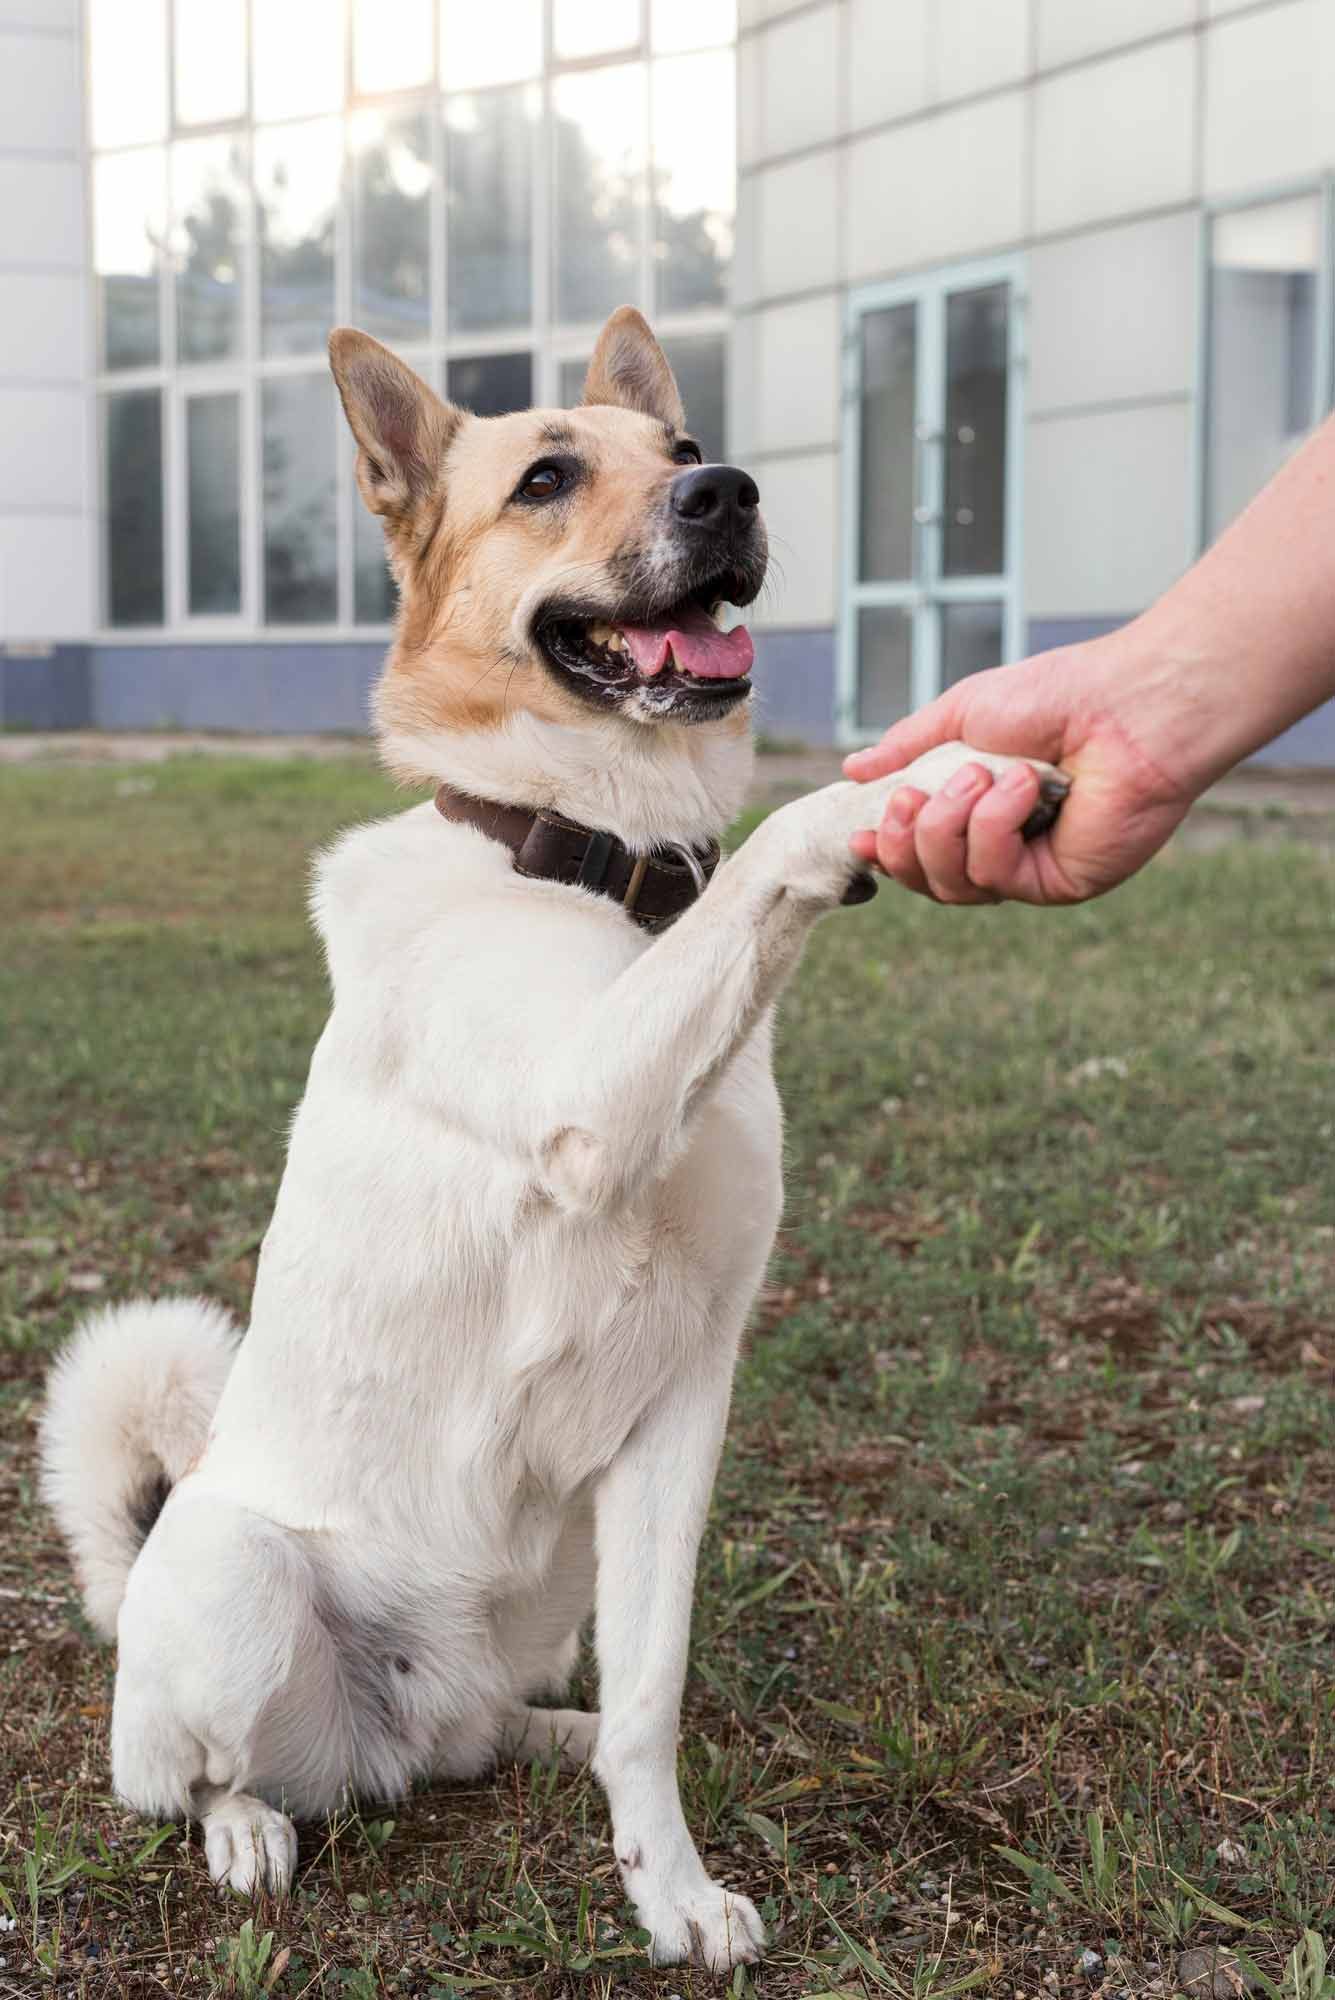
651, 1507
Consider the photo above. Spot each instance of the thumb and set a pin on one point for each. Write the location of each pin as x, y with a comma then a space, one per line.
939, 722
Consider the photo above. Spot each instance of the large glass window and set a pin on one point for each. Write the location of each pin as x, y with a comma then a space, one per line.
391, 225
1267, 385
213, 487
300, 531
477, 185
489, 189
210, 201
132, 511
129, 224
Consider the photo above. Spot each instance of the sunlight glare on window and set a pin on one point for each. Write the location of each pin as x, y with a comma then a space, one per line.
298, 58
590, 27
393, 45
693, 184
127, 65
599, 188
692, 24
209, 62
129, 224
497, 43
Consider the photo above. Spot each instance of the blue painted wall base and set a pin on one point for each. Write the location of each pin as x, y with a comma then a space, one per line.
300, 687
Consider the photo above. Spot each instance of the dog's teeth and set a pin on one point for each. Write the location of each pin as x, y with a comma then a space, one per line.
601, 635
617, 642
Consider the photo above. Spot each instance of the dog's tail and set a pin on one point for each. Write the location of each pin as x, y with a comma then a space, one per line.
128, 1409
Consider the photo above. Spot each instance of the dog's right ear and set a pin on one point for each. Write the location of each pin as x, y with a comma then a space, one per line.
402, 428
629, 369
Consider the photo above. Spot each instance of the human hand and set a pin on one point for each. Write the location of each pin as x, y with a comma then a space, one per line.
1096, 710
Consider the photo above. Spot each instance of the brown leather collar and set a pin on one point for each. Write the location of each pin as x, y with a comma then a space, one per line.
653, 889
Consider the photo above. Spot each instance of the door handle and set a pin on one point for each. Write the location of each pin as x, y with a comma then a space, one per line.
927, 517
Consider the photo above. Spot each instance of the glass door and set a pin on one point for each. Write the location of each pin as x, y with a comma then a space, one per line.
931, 456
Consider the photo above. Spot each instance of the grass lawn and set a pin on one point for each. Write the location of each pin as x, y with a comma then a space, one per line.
1013, 1640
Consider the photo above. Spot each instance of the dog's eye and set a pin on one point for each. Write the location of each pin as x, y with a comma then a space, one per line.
542, 482
686, 453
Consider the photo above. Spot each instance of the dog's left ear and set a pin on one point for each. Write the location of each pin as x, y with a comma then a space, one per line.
630, 369
402, 428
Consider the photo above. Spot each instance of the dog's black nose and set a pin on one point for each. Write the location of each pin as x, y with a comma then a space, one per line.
720, 497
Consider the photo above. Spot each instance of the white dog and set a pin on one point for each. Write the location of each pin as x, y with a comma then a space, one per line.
530, 1191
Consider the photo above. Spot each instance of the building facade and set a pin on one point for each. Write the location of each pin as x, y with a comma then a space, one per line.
1030, 297
1026, 298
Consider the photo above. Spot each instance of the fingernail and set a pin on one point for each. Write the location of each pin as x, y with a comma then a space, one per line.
903, 805
1016, 779
963, 782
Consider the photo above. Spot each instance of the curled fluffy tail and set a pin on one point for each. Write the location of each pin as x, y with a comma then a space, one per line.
128, 1409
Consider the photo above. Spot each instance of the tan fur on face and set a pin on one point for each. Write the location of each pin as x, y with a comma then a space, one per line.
470, 565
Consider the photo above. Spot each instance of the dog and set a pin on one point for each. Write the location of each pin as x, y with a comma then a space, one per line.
530, 1190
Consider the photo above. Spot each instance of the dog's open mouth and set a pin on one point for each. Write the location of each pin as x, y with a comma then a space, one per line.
681, 660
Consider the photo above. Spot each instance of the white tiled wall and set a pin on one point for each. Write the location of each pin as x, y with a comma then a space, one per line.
797, 224
45, 576
39, 92
1107, 510
41, 212
799, 498
1069, 29
800, 81
1269, 96
978, 48
888, 62
938, 187
1112, 314
41, 327
1087, 134
796, 375
1117, 136
45, 508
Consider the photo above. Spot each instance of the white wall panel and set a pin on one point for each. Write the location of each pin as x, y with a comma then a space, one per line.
1107, 510
40, 93
41, 213
1112, 313
799, 499
1069, 29
45, 572
978, 48
45, 14
800, 71
41, 327
41, 448
937, 188
1114, 137
887, 59
1269, 108
797, 222
797, 375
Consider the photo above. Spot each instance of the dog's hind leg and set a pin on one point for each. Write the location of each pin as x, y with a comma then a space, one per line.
229, 1707
248, 1845
565, 1736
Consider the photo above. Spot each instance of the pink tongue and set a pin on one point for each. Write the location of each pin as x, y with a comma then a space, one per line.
695, 643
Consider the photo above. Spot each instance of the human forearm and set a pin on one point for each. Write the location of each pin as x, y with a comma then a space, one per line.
1244, 644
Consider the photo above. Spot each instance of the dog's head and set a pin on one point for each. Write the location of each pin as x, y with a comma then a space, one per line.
555, 561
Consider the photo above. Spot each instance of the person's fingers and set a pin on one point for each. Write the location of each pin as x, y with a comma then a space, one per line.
937, 723
941, 837
890, 845
997, 857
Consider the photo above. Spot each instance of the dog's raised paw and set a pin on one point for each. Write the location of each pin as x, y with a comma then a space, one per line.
1052, 789
249, 1846
711, 1927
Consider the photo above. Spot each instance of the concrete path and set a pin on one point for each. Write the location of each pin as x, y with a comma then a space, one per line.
1256, 802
